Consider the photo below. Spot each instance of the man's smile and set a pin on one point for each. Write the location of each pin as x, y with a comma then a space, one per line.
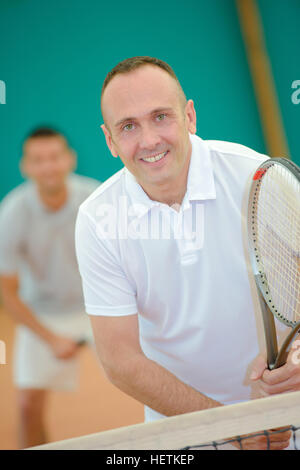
154, 158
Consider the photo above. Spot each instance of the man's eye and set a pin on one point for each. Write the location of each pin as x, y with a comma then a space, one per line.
128, 127
161, 117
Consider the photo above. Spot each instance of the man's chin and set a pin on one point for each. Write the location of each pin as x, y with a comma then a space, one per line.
51, 187
156, 181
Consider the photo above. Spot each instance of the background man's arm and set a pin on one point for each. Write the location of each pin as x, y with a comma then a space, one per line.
63, 348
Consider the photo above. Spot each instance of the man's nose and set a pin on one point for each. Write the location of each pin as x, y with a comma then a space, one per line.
47, 166
149, 139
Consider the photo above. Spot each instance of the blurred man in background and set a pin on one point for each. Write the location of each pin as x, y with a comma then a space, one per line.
39, 279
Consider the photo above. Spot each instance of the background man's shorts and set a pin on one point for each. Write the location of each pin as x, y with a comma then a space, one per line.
35, 365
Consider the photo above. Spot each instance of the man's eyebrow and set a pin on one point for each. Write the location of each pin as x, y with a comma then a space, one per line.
132, 118
161, 110
118, 123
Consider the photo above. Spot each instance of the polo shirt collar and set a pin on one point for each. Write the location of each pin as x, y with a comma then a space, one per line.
200, 183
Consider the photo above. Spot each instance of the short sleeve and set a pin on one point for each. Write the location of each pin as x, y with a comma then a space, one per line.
10, 238
107, 291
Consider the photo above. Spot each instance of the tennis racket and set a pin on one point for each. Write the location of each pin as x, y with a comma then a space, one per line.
274, 241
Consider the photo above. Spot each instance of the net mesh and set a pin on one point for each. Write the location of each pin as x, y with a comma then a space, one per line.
256, 424
277, 232
263, 440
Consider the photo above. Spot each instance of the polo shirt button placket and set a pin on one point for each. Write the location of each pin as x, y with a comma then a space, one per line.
186, 243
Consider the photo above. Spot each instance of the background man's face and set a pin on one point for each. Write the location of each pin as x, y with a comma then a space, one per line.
146, 118
47, 161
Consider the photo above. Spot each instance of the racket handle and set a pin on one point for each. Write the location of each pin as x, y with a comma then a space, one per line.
269, 329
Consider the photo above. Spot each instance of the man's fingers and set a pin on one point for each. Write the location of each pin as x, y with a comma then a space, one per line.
258, 368
282, 374
280, 434
275, 439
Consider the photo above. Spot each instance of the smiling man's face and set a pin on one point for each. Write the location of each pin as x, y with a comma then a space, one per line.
147, 124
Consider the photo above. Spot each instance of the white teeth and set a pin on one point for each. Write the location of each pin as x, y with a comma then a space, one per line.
154, 159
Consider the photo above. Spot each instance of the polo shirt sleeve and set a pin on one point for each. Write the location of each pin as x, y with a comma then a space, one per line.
10, 238
107, 291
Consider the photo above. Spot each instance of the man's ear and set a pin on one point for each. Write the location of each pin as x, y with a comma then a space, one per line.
22, 167
109, 141
190, 114
73, 156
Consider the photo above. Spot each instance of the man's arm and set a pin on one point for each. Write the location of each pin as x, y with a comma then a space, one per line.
126, 366
63, 348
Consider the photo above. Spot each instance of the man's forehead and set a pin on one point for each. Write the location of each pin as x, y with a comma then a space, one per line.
51, 142
139, 86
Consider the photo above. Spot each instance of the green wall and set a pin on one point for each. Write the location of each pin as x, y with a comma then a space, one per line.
54, 56
281, 20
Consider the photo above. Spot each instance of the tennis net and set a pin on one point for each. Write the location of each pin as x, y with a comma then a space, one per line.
222, 428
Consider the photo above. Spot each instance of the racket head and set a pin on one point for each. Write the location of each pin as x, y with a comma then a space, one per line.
274, 236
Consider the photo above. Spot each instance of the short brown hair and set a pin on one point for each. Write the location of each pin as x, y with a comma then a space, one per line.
134, 63
44, 132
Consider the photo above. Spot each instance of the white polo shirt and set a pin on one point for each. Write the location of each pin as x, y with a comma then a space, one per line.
183, 272
38, 245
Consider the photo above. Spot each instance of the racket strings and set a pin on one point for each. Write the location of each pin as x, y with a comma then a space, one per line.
277, 228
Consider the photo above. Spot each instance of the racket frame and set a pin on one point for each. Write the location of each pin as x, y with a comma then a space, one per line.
268, 309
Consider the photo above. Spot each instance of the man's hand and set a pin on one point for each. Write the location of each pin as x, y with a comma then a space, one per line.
275, 441
283, 379
270, 382
63, 348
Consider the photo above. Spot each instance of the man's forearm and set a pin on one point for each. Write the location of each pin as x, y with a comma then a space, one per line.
156, 387
22, 314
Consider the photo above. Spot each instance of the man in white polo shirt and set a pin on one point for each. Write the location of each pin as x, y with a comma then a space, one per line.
39, 279
160, 251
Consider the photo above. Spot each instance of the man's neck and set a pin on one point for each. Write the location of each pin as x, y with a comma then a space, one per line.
169, 196
54, 200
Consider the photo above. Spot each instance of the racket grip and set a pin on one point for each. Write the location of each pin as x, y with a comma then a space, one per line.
269, 329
